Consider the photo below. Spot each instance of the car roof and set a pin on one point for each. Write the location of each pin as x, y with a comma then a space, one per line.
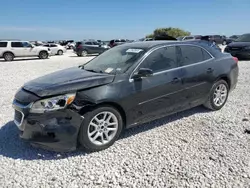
151, 44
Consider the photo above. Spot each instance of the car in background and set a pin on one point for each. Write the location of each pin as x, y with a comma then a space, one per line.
220, 39
240, 47
116, 42
234, 37
128, 85
191, 37
56, 49
84, 48
12, 49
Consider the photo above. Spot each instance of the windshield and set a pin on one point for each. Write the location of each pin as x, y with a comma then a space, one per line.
243, 38
115, 60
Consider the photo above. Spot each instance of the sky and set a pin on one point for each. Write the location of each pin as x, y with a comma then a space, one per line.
110, 19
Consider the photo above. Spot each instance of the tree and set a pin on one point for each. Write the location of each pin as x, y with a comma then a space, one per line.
171, 31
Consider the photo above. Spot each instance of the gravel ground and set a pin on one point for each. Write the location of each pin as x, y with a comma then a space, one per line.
195, 148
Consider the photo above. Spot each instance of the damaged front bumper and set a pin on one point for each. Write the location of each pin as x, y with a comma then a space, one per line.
56, 131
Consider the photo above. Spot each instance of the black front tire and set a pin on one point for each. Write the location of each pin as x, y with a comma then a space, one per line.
43, 55
210, 104
83, 138
8, 56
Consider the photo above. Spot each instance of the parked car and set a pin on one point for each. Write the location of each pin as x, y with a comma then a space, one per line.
12, 49
85, 48
218, 39
234, 37
56, 49
125, 86
240, 47
191, 37
116, 42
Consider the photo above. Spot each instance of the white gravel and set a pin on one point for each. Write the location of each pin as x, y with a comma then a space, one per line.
195, 148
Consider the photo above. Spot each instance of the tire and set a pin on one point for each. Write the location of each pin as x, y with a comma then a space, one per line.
86, 129
224, 43
8, 56
210, 103
43, 55
59, 52
84, 53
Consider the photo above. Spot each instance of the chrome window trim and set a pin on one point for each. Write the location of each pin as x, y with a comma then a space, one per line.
160, 72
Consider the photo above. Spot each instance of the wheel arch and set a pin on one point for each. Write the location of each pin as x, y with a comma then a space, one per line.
225, 78
115, 105
8, 52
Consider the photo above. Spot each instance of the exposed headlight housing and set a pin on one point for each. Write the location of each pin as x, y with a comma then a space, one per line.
52, 104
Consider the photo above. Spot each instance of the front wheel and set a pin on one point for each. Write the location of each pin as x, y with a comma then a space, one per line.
101, 127
217, 96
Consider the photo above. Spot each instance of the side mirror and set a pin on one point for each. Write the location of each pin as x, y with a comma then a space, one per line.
143, 72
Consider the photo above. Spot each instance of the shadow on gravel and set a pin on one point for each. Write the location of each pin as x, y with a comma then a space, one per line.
12, 146
22, 60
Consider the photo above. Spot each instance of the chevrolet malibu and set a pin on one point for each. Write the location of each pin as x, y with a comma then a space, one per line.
89, 106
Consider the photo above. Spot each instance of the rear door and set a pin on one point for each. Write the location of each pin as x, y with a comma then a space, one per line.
18, 49
197, 67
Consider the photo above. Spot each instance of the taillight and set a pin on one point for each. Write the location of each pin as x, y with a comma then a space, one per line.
236, 59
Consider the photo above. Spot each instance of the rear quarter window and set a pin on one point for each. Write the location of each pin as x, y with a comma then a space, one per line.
3, 44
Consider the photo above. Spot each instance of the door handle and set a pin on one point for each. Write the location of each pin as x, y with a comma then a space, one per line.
210, 70
176, 80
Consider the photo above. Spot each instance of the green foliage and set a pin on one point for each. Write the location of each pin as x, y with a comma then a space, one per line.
171, 31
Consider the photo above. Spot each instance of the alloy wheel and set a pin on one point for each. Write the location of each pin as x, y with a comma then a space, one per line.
220, 95
102, 128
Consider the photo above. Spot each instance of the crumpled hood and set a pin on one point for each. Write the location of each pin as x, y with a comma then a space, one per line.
65, 81
239, 44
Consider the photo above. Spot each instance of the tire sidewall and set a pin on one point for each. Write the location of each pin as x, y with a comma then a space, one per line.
211, 100
8, 53
41, 55
86, 53
60, 52
83, 132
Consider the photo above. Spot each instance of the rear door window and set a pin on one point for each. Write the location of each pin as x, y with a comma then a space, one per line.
190, 55
16, 45
3, 44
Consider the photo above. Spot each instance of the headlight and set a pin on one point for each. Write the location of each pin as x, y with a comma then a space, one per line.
52, 104
247, 48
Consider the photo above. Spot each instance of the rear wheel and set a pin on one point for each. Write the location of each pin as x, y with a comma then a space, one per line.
43, 55
84, 53
100, 129
60, 52
217, 96
8, 56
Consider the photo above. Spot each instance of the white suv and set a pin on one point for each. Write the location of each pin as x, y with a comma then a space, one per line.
11, 49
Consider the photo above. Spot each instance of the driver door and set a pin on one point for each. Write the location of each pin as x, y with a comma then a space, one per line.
28, 49
161, 93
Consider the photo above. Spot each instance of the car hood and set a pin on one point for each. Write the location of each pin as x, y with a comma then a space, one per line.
65, 81
239, 44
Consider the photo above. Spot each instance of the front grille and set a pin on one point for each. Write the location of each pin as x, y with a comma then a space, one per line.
18, 117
